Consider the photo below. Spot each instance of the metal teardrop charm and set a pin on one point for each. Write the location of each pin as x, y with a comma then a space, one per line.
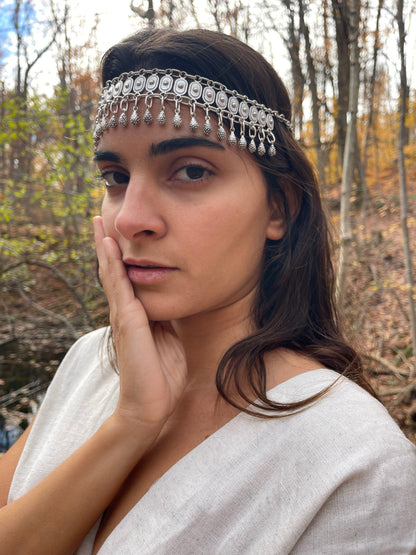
123, 119
242, 143
272, 150
134, 118
232, 139
113, 121
221, 134
262, 149
252, 146
161, 118
193, 124
147, 118
207, 127
177, 120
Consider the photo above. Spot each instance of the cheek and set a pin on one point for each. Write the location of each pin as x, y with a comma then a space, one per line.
108, 213
231, 233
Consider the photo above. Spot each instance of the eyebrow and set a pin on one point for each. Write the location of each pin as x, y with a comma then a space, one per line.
158, 149
107, 156
164, 147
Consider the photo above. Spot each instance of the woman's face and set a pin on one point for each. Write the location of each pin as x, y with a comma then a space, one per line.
190, 215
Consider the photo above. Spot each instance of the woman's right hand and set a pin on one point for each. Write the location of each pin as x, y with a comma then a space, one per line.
150, 356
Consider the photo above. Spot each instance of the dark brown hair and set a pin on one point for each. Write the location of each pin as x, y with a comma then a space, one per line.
295, 306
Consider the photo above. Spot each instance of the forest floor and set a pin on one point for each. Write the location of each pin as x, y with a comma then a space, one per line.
376, 303
41, 321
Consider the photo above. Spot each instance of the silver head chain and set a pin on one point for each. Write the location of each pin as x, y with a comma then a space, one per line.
124, 93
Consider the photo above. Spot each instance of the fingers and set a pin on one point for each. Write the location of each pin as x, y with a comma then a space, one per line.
113, 275
150, 357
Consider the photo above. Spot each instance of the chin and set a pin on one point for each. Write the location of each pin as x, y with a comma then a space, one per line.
159, 311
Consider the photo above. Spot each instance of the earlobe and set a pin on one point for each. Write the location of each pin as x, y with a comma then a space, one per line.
276, 227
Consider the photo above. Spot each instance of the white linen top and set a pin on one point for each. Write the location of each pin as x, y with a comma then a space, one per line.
336, 478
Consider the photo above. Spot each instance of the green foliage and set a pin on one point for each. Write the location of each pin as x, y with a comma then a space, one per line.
47, 190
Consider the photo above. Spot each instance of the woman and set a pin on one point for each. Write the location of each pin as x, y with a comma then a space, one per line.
238, 420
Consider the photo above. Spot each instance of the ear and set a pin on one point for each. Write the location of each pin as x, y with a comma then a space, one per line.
276, 227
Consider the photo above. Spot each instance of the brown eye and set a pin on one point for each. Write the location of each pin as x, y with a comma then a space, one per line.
114, 178
192, 173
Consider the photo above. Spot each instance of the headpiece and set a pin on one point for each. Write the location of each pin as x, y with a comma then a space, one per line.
124, 93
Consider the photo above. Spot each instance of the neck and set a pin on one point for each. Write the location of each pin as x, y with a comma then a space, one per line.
206, 337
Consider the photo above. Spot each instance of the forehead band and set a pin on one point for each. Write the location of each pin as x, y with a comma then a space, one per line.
127, 96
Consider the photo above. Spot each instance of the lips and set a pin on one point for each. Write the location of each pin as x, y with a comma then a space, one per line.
143, 272
146, 264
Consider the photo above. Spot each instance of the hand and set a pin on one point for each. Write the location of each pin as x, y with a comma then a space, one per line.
150, 356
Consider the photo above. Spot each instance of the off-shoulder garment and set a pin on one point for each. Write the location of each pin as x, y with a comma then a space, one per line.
336, 478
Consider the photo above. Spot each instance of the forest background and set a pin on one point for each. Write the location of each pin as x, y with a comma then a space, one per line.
348, 65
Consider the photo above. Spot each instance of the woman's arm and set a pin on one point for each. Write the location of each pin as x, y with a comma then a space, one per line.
55, 516
8, 464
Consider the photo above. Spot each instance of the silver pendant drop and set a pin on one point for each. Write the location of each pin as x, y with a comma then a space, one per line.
221, 134
161, 118
193, 124
207, 127
232, 139
262, 149
134, 118
272, 150
252, 146
242, 143
113, 121
177, 121
147, 118
123, 119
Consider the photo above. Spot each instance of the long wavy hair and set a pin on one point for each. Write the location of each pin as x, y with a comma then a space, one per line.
294, 307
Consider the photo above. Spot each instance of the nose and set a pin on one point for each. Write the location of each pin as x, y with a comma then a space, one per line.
140, 213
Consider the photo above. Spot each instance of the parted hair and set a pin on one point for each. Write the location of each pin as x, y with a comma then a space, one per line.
295, 303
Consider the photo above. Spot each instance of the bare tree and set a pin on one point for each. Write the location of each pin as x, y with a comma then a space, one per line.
340, 11
148, 14
369, 131
291, 39
313, 87
350, 142
402, 138
26, 55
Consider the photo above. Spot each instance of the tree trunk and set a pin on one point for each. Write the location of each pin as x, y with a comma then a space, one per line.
292, 43
348, 159
316, 126
341, 18
370, 135
402, 138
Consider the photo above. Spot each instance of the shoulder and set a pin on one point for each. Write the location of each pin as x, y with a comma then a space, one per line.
366, 466
88, 352
348, 466
346, 418
90, 342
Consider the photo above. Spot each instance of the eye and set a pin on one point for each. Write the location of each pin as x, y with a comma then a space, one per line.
192, 172
114, 178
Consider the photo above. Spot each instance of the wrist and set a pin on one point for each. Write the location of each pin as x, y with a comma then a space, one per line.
127, 427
